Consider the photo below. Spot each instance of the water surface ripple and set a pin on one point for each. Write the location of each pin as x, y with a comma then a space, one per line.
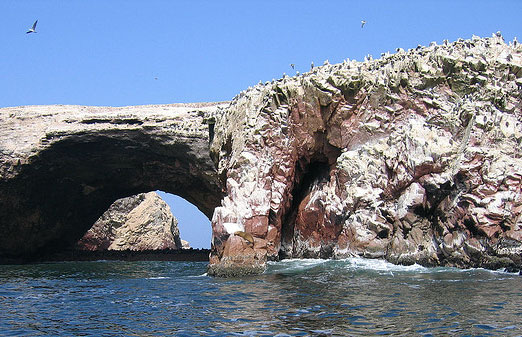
351, 297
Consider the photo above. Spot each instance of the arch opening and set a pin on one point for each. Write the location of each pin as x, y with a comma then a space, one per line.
61, 192
153, 225
194, 226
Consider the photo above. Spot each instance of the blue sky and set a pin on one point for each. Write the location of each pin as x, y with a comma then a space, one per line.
94, 52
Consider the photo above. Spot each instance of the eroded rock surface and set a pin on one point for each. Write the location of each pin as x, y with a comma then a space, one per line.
61, 167
414, 157
140, 222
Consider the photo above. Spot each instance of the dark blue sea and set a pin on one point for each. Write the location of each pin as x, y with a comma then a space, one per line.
352, 297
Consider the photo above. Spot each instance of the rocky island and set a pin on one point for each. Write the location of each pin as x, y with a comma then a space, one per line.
140, 222
414, 158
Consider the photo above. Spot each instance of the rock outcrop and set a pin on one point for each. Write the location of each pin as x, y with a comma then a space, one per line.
61, 167
414, 157
140, 222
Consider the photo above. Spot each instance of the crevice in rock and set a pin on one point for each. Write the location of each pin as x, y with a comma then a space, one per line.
307, 176
211, 131
471, 226
435, 195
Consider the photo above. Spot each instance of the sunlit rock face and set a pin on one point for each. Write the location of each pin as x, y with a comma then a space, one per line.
414, 157
61, 167
140, 222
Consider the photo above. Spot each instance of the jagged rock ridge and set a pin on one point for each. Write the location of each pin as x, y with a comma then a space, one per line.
414, 157
140, 222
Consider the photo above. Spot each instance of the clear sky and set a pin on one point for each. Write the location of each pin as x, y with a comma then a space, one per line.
124, 52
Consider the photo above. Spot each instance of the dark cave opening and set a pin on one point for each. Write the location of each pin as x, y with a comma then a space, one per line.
307, 176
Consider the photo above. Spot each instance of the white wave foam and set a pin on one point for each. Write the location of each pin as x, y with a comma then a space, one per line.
352, 264
381, 265
295, 265
364, 264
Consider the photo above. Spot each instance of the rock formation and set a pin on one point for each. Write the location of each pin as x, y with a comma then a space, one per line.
414, 157
185, 244
61, 167
140, 222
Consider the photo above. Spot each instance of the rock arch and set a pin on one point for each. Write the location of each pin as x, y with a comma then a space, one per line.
62, 166
413, 158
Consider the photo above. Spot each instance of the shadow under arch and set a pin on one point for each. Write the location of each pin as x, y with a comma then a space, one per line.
59, 194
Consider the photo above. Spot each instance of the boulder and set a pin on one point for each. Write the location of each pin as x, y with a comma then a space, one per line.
139, 222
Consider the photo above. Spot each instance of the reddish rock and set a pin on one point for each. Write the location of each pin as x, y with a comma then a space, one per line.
257, 225
410, 157
239, 258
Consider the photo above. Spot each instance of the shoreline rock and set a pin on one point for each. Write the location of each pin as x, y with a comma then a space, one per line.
200, 255
414, 158
62, 166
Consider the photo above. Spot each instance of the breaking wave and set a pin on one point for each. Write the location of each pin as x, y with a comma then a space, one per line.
359, 264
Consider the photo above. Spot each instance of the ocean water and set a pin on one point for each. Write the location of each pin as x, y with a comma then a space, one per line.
352, 297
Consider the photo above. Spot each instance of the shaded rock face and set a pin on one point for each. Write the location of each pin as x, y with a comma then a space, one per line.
414, 158
61, 167
139, 222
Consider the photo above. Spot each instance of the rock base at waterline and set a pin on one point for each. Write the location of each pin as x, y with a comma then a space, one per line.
242, 256
413, 158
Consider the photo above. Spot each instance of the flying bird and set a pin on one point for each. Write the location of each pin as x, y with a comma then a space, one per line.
292, 65
363, 22
33, 28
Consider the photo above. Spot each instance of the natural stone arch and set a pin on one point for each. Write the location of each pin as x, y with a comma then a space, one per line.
62, 166
413, 158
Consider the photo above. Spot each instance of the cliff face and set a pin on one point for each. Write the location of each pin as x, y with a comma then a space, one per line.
140, 222
414, 157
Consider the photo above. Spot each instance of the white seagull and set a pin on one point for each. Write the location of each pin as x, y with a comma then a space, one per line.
363, 22
33, 28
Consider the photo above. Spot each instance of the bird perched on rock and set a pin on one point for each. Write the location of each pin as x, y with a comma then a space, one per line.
312, 65
246, 236
33, 28
363, 22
